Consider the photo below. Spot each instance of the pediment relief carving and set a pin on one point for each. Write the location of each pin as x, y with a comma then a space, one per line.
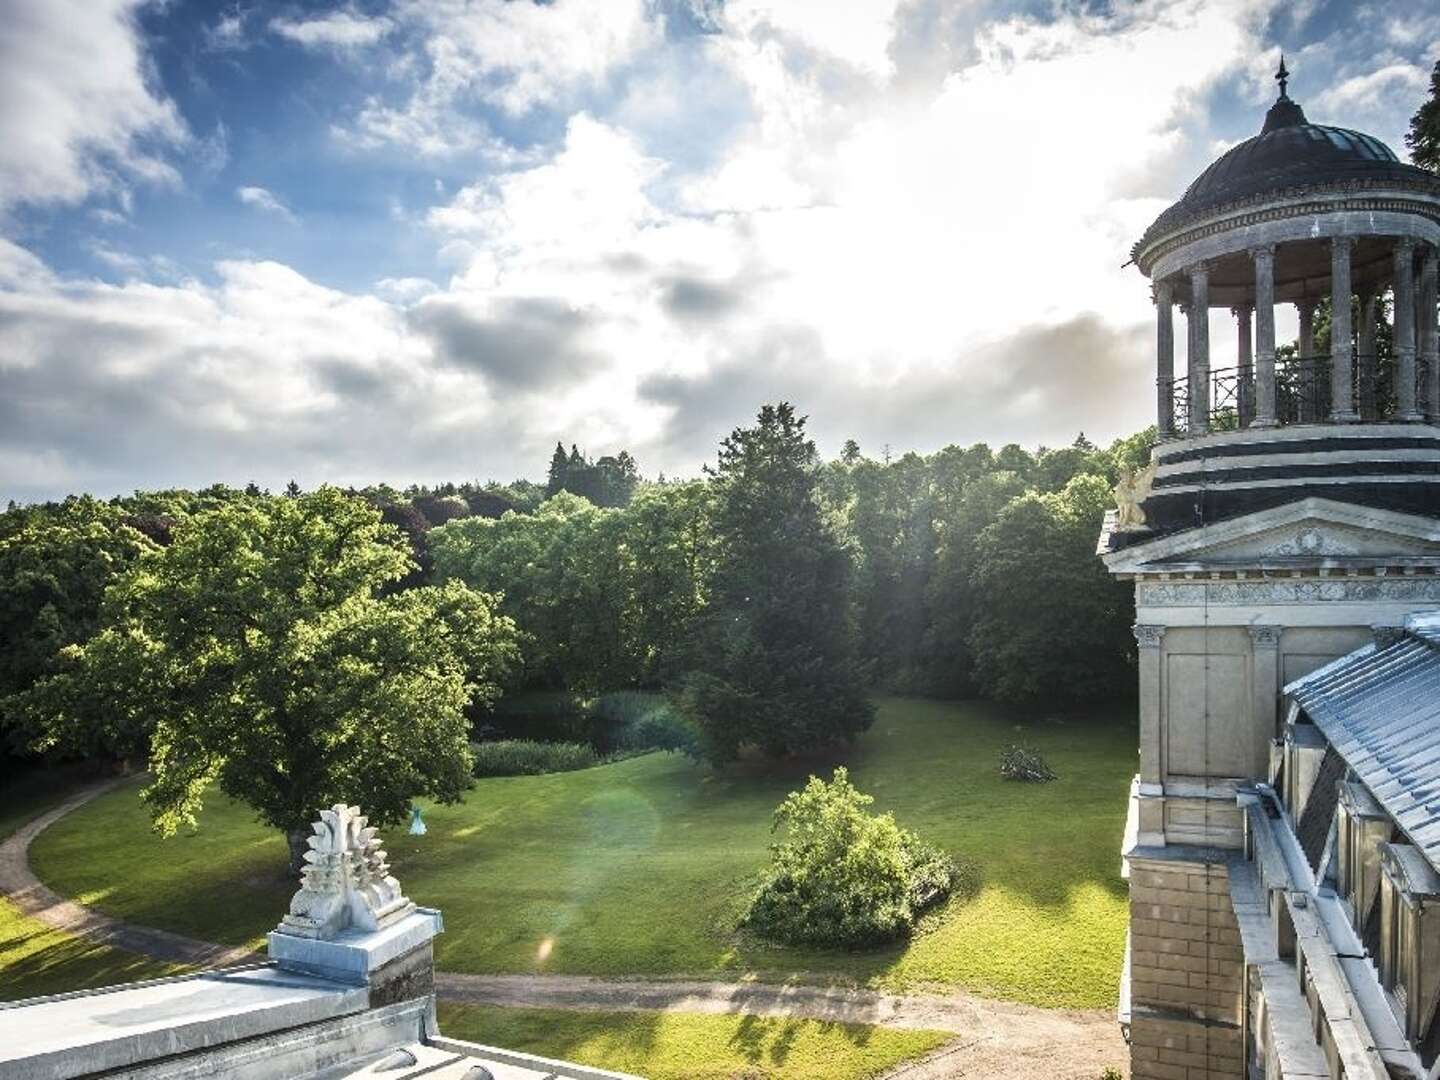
1309, 530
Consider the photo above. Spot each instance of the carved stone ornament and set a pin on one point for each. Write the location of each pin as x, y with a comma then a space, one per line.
1311, 541
1264, 636
346, 883
1132, 490
1148, 635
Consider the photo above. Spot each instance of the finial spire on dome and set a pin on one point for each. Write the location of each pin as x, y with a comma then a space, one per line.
1284, 113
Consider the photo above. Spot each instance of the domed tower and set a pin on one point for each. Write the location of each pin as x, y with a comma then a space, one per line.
1292, 516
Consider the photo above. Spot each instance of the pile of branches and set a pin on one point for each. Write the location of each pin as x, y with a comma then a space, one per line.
1021, 763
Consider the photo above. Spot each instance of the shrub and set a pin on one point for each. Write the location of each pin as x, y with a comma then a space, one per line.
522, 757
632, 721
843, 876
1111, 1073
1020, 763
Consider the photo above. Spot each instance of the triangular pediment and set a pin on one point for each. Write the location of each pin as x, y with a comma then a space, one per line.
1307, 531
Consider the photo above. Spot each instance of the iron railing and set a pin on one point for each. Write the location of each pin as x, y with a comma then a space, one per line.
1303, 392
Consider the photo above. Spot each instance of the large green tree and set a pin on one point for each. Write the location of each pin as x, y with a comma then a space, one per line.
779, 669
55, 564
1423, 138
1048, 621
256, 653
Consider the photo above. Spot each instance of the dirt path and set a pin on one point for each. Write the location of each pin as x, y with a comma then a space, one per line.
33, 898
997, 1038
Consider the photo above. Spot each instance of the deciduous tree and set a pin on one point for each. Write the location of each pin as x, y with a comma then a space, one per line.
256, 653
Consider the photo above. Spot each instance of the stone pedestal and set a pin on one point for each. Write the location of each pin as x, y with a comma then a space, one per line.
396, 963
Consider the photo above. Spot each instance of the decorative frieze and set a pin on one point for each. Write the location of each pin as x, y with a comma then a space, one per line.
1291, 591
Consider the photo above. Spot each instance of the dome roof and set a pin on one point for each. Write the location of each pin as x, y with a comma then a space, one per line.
1290, 152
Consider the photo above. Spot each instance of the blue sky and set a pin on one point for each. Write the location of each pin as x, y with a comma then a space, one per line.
406, 241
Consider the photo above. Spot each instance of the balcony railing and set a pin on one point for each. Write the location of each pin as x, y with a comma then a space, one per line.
1303, 392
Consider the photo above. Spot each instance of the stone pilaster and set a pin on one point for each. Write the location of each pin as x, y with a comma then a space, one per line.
1164, 360
1199, 360
1342, 399
1406, 410
1150, 638
1264, 259
1265, 686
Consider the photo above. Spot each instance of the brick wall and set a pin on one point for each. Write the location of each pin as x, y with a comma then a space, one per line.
1186, 969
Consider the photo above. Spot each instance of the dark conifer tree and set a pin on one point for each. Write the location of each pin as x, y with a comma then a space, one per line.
779, 669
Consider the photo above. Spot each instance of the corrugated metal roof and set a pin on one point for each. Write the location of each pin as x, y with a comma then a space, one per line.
1380, 708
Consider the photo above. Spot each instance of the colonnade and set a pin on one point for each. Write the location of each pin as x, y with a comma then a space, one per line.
1415, 343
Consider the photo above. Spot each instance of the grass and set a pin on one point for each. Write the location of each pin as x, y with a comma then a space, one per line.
689, 1046
642, 867
35, 959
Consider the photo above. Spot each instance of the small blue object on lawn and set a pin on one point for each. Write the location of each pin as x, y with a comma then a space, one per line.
417, 824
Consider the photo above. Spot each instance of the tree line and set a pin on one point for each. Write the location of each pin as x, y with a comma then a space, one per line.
303, 648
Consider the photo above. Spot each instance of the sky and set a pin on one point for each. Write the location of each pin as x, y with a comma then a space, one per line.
422, 240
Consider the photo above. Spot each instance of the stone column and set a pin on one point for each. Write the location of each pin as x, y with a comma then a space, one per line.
1199, 360
1164, 360
1265, 673
1365, 347
1308, 376
1429, 333
1342, 386
1405, 410
1264, 258
1245, 365
1150, 637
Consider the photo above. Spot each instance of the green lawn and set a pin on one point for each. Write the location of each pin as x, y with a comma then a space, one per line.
642, 867
34, 959
688, 1046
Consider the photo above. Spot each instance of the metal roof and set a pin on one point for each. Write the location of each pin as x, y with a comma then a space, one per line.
1380, 709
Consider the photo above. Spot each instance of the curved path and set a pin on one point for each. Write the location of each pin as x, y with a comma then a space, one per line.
1000, 1038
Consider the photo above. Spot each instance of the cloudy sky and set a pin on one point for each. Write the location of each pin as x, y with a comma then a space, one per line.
413, 240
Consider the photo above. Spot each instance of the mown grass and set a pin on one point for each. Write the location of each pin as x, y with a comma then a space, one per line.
35, 959
689, 1046
642, 867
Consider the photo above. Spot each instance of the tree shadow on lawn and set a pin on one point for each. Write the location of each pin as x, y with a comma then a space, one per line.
41, 962
768, 1038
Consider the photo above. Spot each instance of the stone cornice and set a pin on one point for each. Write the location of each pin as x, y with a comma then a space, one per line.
1307, 201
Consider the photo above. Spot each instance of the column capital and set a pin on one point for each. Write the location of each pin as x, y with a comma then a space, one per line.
1342, 243
1242, 311
1264, 637
1404, 245
1162, 292
1385, 636
1198, 270
1148, 635
1307, 304
1263, 253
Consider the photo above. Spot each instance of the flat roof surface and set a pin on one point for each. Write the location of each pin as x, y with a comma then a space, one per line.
73, 1034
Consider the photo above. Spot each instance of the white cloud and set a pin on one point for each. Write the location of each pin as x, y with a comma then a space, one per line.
266, 200
77, 108
336, 30
405, 290
1368, 90
511, 56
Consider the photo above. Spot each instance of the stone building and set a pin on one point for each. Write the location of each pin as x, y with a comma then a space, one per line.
347, 992
1292, 517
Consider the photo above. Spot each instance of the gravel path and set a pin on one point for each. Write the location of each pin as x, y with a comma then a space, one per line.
997, 1038
33, 898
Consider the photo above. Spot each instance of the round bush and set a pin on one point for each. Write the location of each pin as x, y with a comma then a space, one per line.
843, 876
